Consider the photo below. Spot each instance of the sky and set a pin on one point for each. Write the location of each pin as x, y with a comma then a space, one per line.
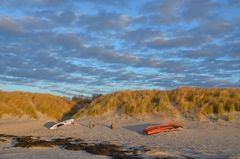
73, 47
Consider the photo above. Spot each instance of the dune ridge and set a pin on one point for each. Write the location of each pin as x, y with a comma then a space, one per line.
33, 105
192, 102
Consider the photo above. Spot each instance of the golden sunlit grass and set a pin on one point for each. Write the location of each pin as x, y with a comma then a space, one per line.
33, 104
131, 103
191, 102
187, 101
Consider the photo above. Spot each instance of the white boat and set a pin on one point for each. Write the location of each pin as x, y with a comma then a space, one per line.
62, 123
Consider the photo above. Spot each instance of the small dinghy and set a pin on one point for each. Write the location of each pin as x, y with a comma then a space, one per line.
62, 123
171, 126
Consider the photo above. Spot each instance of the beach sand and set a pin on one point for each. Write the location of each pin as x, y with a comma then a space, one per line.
205, 139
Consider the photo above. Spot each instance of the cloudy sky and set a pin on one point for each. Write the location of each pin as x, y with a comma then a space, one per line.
71, 47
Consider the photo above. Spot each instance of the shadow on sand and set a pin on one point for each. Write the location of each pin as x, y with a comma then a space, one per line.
65, 116
49, 124
71, 113
138, 128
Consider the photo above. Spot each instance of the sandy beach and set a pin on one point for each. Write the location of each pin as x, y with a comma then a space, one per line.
119, 79
205, 139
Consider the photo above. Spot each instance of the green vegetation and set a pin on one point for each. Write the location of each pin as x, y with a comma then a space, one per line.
191, 102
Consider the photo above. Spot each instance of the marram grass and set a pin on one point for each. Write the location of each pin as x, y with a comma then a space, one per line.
184, 101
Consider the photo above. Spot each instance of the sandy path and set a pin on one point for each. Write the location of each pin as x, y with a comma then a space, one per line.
197, 139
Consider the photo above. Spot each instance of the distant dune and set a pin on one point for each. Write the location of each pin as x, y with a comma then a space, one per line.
189, 102
33, 105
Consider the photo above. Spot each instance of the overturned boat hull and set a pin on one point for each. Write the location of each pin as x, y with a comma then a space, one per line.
171, 126
62, 123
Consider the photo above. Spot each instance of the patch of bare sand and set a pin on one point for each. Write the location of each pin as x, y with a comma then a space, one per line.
204, 139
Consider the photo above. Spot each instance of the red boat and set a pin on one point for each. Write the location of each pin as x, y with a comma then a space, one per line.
171, 126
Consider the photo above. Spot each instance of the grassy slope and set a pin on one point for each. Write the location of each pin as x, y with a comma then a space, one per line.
185, 101
33, 104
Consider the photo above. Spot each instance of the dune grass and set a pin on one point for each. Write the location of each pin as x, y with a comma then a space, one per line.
33, 104
184, 101
131, 103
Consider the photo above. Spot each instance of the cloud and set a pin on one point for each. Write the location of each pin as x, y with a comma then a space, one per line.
36, 3
68, 46
115, 3
161, 43
162, 12
212, 27
199, 9
65, 17
139, 36
104, 21
9, 27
